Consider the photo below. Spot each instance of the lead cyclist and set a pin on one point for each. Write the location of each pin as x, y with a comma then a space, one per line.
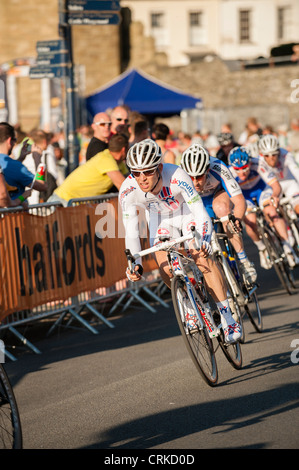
172, 206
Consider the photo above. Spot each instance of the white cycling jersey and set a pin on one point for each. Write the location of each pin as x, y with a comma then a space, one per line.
286, 168
258, 174
219, 176
174, 209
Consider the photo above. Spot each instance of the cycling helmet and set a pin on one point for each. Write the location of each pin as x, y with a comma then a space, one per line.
195, 160
225, 138
268, 144
239, 157
144, 154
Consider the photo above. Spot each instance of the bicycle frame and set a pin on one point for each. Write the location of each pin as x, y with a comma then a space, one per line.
178, 262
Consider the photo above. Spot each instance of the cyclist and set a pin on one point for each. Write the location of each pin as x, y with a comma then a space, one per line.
172, 205
221, 195
227, 143
283, 164
261, 184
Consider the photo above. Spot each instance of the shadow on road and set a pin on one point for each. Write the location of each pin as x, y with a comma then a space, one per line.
171, 425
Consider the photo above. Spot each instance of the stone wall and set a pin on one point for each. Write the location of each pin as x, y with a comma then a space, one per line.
227, 95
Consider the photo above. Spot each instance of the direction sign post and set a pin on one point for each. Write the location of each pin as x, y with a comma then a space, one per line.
55, 58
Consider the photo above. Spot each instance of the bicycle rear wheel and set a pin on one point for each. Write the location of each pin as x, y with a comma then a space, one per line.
10, 424
197, 341
279, 262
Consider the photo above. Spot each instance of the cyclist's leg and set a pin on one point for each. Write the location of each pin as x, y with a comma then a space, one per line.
252, 232
217, 287
279, 225
162, 228
290, 188
222, 206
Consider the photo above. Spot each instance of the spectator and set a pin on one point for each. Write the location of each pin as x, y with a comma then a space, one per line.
36, 156
119, 120
17, 176
84, 135
101, 131
252, 132
140, 131
159, 134
268, 130
196, 138
227, 143
61, 163
98, 175
210, 141
134, 117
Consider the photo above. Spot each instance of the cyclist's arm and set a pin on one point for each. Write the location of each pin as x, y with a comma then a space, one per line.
240, 206
130, 218
292, 166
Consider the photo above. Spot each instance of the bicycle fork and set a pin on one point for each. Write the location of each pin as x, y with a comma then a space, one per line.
205, 318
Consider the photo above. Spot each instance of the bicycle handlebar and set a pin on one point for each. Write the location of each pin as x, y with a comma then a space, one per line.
161, 246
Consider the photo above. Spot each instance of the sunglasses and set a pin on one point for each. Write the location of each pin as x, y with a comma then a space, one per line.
196, 178
102, 124
274, 154
121, 119
150, 172
244, 168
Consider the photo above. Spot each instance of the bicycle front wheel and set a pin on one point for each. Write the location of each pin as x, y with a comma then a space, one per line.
10, 424
279, 263
197, 341
254, 312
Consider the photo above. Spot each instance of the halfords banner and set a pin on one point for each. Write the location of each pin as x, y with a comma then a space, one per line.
54, 257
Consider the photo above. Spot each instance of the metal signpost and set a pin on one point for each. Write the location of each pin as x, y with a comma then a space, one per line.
55, 58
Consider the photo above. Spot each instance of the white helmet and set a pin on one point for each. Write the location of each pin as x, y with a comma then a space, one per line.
268, 144
195, 160
144, 154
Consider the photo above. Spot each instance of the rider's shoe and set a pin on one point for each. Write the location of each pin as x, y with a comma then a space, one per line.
248, 271
290, 255
232, 333
265, 261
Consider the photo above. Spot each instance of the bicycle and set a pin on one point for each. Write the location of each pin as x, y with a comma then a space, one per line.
187, 285
244, 295
10, 424
286, 210
274, 248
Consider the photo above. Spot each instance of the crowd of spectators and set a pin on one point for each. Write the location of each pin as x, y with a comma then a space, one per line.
103, 147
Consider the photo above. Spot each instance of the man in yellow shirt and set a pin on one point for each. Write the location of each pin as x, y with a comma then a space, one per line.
98, 175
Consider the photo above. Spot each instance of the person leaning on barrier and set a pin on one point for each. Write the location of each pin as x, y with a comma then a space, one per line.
98, 175
17, 176
172, 205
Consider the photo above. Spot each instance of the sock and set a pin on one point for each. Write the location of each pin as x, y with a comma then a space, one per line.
260, 245
242, 257
225, 313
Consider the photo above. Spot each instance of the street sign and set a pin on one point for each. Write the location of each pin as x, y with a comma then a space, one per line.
44, 47
93, 18
53, 58
92, 5
43, 71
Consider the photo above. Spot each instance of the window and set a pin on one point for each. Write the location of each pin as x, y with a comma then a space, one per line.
158, 30
244, 25
283, 20
197, 32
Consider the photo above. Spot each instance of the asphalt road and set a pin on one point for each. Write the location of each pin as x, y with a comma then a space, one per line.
135, 387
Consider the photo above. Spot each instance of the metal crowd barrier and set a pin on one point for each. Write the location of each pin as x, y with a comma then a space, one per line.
124, 292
